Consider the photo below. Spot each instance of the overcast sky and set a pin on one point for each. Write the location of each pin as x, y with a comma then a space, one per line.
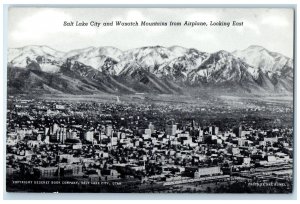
270, 28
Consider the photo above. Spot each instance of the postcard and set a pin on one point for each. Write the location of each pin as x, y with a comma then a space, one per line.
150, 100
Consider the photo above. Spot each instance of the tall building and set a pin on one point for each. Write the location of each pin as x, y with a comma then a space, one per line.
89, 136
200, 138
47, 139
62, 135
201, 131
193, 124
148, 132
215, 130
151, 127
54, 129
47, 131
210, 130
118, 99
99, 132
171, 129
114, 140
72, 134
109, 131
240, 131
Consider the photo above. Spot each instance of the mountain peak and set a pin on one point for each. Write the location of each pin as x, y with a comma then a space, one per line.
257, 47
148, 68
38, 48
223, 53
261, 58
176, 47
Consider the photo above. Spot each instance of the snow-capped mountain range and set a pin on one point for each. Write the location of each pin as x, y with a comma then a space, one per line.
254, 69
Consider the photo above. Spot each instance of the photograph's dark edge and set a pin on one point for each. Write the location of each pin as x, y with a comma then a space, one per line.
114, 122
294, 103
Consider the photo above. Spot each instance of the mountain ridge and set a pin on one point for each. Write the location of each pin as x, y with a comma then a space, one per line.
158, 69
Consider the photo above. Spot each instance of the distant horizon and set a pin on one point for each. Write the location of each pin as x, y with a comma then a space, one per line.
44, 45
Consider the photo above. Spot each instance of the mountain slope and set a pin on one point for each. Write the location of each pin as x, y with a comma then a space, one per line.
272, 69
264, 59
101, 58
156, 69
49, 60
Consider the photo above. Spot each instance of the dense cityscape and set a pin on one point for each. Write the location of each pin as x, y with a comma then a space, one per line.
146, 147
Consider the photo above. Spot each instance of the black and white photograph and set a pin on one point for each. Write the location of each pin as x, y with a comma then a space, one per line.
150, 100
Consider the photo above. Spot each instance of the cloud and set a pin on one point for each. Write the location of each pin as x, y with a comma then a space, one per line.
44, 22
